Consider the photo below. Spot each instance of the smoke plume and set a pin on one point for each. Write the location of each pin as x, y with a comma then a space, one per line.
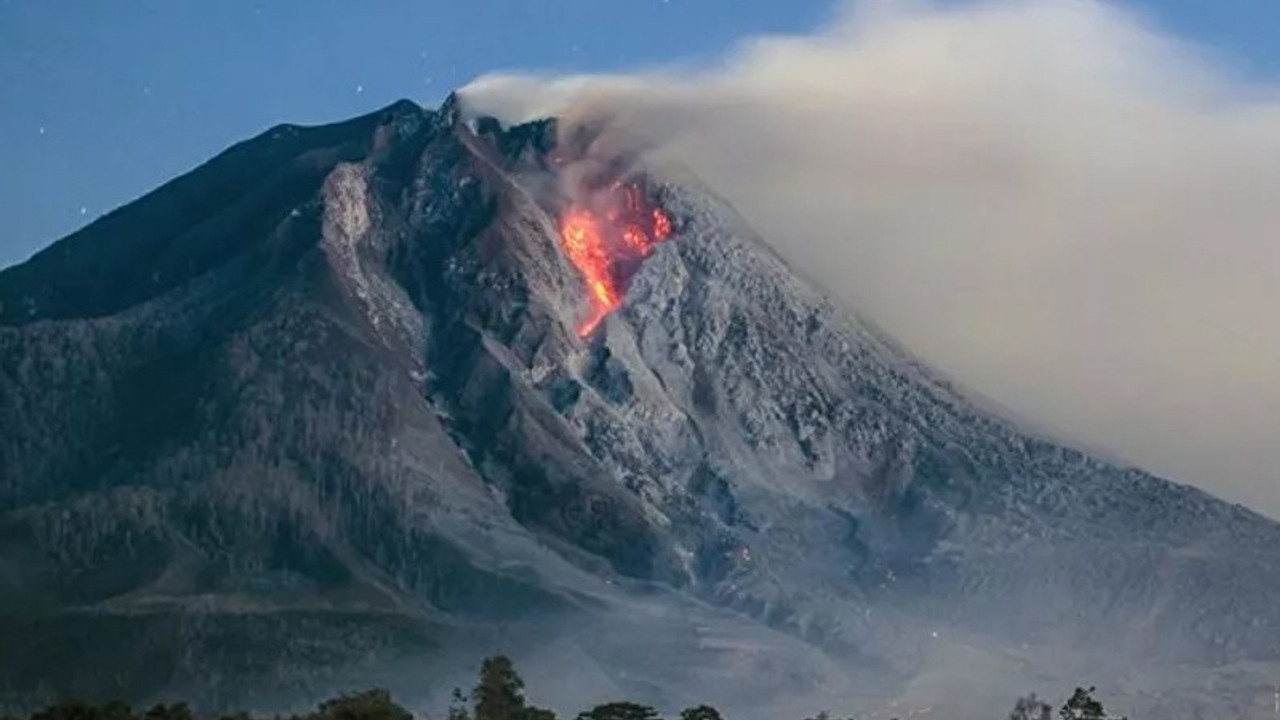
1064, 209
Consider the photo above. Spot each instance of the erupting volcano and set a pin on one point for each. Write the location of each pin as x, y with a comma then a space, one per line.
608, 244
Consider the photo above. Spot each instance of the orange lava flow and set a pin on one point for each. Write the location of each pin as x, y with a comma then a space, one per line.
583, 243
608, 250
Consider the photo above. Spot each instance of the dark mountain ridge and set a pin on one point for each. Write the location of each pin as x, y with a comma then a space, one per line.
317, 412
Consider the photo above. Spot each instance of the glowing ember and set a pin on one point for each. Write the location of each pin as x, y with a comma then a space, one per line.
661, 225
607, 252
636, 241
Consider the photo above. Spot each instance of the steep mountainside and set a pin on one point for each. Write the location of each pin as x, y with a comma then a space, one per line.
321, 408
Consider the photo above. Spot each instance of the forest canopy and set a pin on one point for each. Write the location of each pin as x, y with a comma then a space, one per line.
499, 694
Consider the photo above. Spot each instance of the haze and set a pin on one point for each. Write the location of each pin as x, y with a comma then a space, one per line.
1065, 210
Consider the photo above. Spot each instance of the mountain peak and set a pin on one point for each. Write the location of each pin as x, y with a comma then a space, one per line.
403, 106
450, 110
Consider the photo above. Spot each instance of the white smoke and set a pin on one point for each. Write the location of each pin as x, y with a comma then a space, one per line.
1068, 211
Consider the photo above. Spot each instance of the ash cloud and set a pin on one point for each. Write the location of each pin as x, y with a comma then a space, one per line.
1063, 208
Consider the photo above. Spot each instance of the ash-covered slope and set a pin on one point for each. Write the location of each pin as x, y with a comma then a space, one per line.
320, 408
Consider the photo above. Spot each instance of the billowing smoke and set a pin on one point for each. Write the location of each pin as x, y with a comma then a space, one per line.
1062, 208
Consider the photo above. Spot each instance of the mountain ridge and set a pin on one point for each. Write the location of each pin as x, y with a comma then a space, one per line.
228, 173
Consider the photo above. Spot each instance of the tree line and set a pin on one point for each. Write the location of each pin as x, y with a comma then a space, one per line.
499, 694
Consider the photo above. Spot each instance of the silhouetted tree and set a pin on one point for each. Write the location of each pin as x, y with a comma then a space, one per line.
116, 710
701, 712
368, 705
177, 711
69, 710
1030, 708
500, 693
458, 706
1083, 706
620, 711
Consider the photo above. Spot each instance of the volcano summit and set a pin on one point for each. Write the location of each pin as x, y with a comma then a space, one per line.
349, 403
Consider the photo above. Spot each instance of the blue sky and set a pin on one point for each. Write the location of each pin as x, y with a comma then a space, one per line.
102, 101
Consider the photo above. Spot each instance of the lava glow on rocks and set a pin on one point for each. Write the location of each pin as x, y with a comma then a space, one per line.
608, 245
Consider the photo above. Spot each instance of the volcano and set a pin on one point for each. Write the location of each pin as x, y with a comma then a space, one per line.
357, 404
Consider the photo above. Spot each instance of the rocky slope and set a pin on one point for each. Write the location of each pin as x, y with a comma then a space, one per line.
318, 410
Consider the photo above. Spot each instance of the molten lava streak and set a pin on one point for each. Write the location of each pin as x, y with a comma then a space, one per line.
608, 250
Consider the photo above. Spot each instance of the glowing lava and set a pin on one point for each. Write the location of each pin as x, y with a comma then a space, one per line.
584, 245
608, 248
